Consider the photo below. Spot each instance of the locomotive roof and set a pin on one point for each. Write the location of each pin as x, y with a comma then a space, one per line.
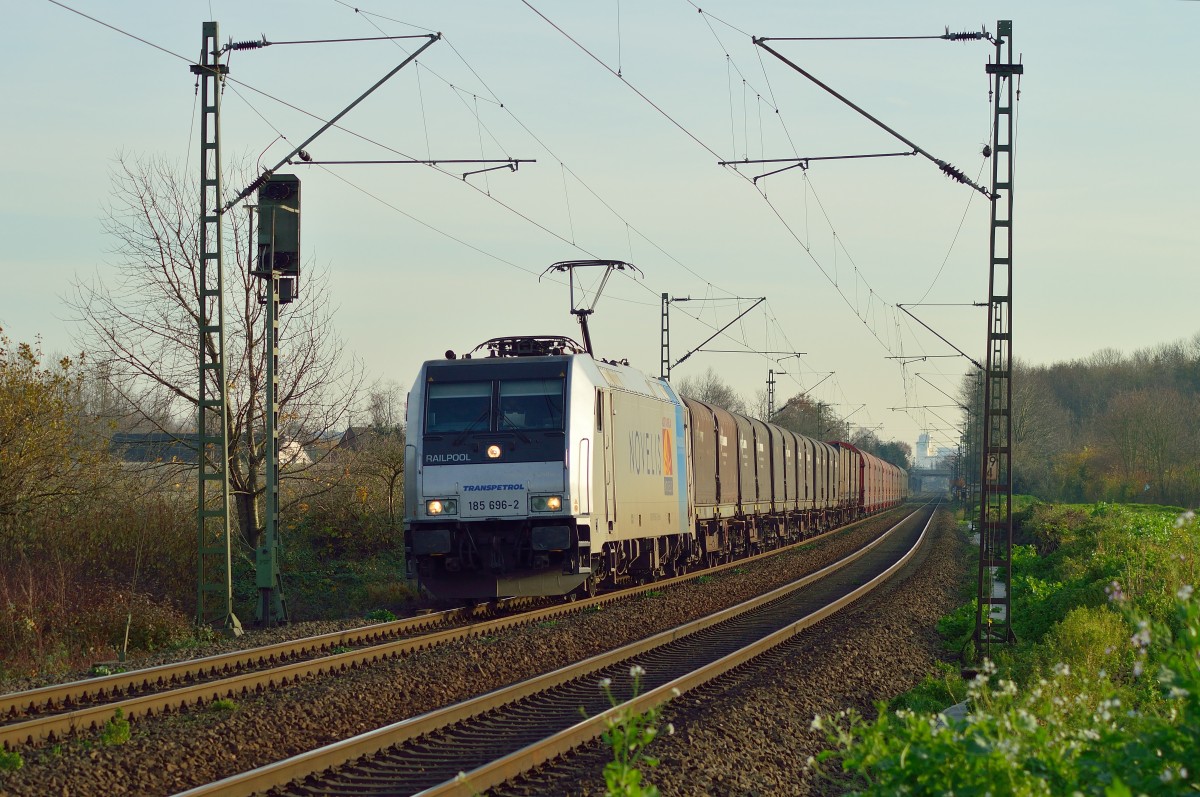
604, 373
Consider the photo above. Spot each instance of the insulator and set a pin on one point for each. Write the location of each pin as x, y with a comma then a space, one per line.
252, 44
953, 173
254, 186
962, 36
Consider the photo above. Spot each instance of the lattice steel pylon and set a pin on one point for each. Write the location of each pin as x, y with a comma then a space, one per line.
214, 598
994, 626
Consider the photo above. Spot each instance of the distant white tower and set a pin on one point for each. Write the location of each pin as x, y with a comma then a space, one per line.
927, 452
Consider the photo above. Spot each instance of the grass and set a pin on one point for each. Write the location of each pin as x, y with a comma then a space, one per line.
937, 691
1101, 695
380, 616
100, 670
116, 731
10, 760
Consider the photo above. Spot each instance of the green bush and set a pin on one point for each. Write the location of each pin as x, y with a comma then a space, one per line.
1093, 640
957, 627
1063, 734
1109, 695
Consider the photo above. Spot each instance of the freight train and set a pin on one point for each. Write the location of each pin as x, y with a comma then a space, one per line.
533, 468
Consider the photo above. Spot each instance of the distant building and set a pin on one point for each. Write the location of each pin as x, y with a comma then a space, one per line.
294, 455
181, 448
928, 456
357, 438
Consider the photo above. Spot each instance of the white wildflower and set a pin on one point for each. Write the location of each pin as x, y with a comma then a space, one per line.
816, 724
1175, 693
637, 671
1142, 638
1184, 593
1138, 668
605, 683
670, 729
1062, 669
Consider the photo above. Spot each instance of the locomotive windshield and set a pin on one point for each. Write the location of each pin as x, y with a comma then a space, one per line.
531, 404
491, 406
458, 407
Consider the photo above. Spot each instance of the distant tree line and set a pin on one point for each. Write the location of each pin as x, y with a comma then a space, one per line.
1110, 426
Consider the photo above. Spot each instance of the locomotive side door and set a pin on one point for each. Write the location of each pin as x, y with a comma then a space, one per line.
605, 420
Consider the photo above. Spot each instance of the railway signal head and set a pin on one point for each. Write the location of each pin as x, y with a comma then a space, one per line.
279, 230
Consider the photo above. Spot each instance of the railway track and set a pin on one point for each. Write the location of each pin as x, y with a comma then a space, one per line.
497, 736
51, 712
54, 712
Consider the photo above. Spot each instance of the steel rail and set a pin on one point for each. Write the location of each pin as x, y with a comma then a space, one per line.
62, 723
281, 773
46, 697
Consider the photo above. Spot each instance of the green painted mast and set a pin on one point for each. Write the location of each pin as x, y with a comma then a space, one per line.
214, 598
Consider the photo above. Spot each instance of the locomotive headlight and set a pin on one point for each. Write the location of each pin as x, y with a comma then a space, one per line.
545, 503
493, 452
441, 506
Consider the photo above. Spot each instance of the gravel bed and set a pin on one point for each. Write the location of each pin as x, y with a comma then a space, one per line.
749, 734
251, 638
170, 753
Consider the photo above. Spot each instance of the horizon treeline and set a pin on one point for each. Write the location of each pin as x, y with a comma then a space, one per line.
1109, 427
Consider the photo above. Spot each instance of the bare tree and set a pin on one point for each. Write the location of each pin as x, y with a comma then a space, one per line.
379, 454
385, 405
138, 321
712, 389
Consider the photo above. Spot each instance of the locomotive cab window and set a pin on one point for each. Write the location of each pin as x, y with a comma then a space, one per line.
458, 407
531, 404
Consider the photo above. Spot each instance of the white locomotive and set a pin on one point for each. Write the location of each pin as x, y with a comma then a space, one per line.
538, 470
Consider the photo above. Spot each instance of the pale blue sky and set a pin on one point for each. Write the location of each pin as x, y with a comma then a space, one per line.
1106, 236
